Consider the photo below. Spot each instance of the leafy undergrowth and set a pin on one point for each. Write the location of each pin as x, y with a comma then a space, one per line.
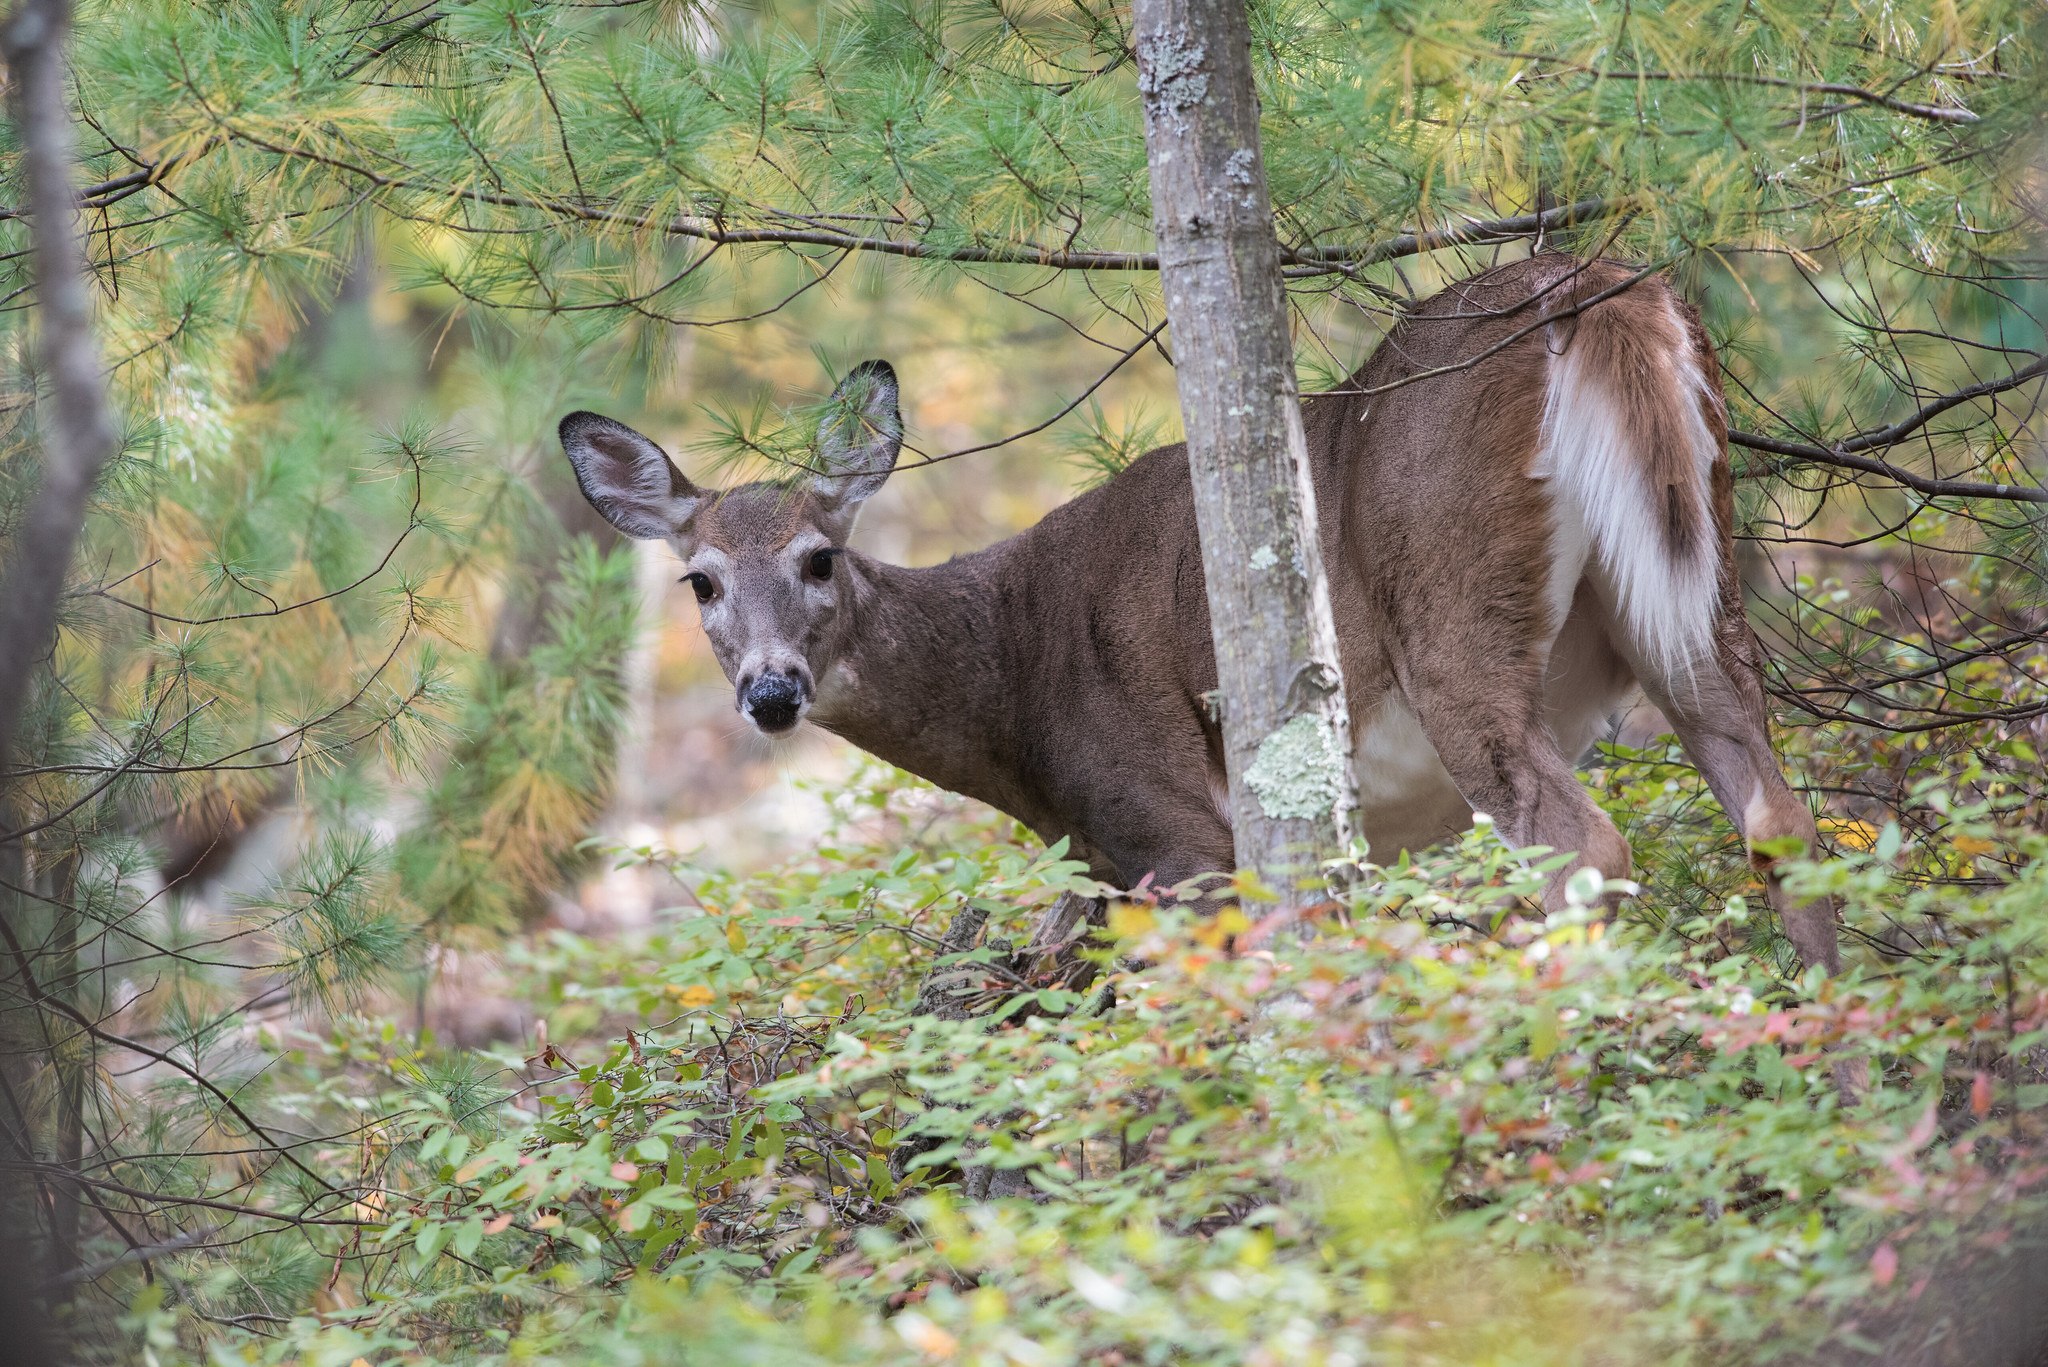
1439, 1129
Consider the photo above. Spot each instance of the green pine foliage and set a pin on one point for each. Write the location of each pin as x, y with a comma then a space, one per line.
503, 816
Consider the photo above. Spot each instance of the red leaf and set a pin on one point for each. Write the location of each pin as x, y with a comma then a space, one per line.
626, 1172
1980, 1095
1884, 1264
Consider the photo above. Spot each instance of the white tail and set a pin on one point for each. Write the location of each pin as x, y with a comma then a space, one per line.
1629, 459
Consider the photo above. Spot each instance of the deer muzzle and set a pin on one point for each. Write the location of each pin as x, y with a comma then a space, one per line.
775, 702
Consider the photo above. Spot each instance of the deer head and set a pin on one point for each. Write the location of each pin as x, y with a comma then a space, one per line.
760, 557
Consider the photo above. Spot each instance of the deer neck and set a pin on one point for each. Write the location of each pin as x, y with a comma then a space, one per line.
921, 679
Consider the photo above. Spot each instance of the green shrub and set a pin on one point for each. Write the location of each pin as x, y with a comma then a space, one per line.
1438, 1128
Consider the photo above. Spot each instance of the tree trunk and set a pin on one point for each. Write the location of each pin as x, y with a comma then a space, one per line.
78, 438
1286, 731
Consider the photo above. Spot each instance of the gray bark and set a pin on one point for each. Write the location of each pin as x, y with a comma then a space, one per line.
1286, 730
78, 440
78, 437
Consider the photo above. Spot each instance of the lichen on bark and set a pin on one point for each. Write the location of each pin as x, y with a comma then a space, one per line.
1170, 76
1298, 771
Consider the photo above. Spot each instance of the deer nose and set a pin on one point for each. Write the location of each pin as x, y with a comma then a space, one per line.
774, 702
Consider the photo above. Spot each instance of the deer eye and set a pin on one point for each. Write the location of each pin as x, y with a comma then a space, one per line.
702, 585
820, 564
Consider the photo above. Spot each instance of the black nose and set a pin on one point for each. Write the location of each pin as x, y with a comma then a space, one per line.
773, 701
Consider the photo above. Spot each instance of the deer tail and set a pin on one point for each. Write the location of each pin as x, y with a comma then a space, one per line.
1632, 429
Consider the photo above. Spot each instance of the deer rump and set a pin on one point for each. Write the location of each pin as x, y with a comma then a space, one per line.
1525, 507
1535, 520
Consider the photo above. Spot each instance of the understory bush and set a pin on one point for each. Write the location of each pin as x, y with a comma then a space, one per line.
1433, 1125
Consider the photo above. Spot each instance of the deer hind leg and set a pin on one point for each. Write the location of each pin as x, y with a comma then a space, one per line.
1501, 753
1717, 709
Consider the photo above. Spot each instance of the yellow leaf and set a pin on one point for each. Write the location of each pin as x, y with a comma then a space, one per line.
735, 936
1129, 920
1543, 1033
1974, 845
693, 996
1857, 835
990, 1305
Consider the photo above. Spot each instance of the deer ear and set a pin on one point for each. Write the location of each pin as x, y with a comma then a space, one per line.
859, 438
627, 478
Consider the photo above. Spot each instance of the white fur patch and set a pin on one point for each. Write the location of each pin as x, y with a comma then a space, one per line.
1605, 502
1570, 544
1219, 797
1406, 799
1757, 810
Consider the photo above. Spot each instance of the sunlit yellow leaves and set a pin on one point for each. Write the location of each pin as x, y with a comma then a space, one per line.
1218, 929
1857, 835
691, 997
1130, 920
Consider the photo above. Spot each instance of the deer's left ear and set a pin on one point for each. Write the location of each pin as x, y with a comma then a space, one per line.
860, 437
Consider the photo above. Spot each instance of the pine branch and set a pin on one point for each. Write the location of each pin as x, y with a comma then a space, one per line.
1846, 455
1300, 261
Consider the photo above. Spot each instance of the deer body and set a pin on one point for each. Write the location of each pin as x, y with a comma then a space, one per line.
1525, 507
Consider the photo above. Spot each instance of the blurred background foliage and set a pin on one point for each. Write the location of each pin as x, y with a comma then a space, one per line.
380, 831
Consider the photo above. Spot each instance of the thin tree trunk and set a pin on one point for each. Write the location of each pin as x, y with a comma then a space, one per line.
66, 1253
78, 437
78, 440
25, 1202
1286, 731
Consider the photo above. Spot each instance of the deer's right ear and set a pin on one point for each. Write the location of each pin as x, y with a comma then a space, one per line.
627, 478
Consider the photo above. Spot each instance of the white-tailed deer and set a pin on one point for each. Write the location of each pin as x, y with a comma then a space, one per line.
1525, 505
